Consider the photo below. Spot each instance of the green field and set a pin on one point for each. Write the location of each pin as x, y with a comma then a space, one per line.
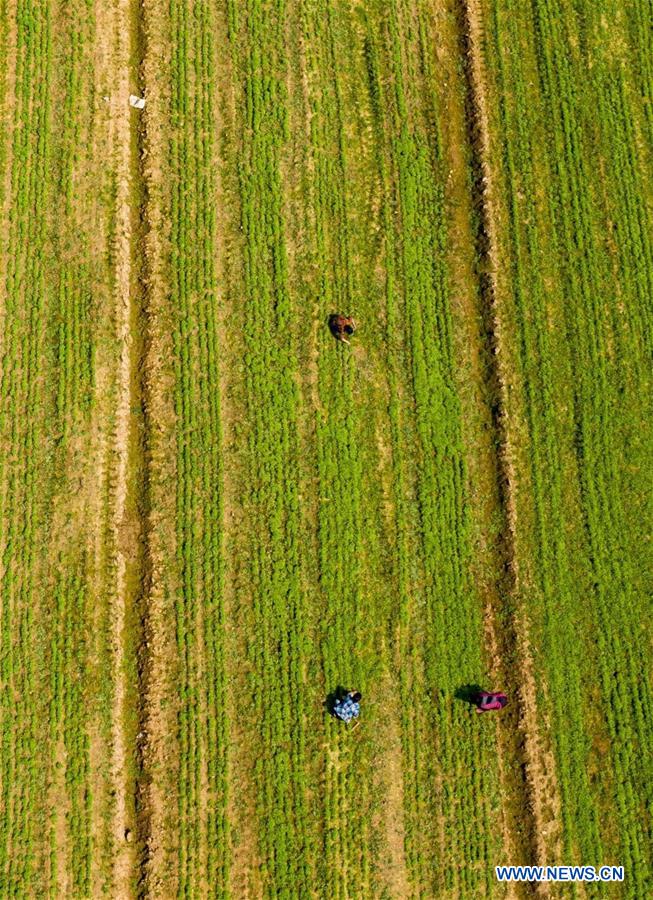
213, 515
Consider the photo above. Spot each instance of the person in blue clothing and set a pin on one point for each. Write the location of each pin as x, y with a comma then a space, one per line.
348, 707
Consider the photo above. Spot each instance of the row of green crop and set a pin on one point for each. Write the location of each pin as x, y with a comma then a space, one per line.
418, 823
5, 98
73, 349
582, 344
443, 630
68, 659
603, 399
451, 645
640, 55
542, 358
21, 426
199, 613
370, 132
46, 384
346, 864
68, 662
274, 609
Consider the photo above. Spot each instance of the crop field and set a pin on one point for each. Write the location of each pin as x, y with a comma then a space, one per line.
214, 516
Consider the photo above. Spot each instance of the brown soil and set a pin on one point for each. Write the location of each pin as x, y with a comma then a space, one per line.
115, 31
58, 797
157, 744
98, 435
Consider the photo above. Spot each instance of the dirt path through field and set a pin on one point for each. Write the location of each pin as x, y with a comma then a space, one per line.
157, 741
120, 141
101, 732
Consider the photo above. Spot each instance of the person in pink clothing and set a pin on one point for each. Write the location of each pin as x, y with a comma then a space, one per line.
486, 701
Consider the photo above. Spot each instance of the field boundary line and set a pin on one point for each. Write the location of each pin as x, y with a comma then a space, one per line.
492, 288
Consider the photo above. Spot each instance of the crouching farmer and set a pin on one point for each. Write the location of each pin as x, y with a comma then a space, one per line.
486, 702
348, 707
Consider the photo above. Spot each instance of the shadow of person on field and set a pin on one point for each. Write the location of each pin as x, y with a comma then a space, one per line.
330, 703
331, 320
468, 693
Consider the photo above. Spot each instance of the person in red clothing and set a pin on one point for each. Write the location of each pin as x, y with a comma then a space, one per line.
486, 701
342, 327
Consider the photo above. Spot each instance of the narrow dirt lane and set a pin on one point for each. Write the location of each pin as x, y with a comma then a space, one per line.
120, 140
157, 745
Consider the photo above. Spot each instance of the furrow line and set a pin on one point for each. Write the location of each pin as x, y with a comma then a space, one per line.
158, 741
128, 565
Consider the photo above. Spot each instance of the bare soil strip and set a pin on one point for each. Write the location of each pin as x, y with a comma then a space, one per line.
535, 789
157, 746
121, 144
100, 437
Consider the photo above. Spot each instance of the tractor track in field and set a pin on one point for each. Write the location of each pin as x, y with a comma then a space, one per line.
520, 742
130, 449
121, 140
155, 749
157, 716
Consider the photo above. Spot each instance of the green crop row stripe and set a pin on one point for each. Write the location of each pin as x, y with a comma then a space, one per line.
580, 270
201, 794
22, 428
276, 639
